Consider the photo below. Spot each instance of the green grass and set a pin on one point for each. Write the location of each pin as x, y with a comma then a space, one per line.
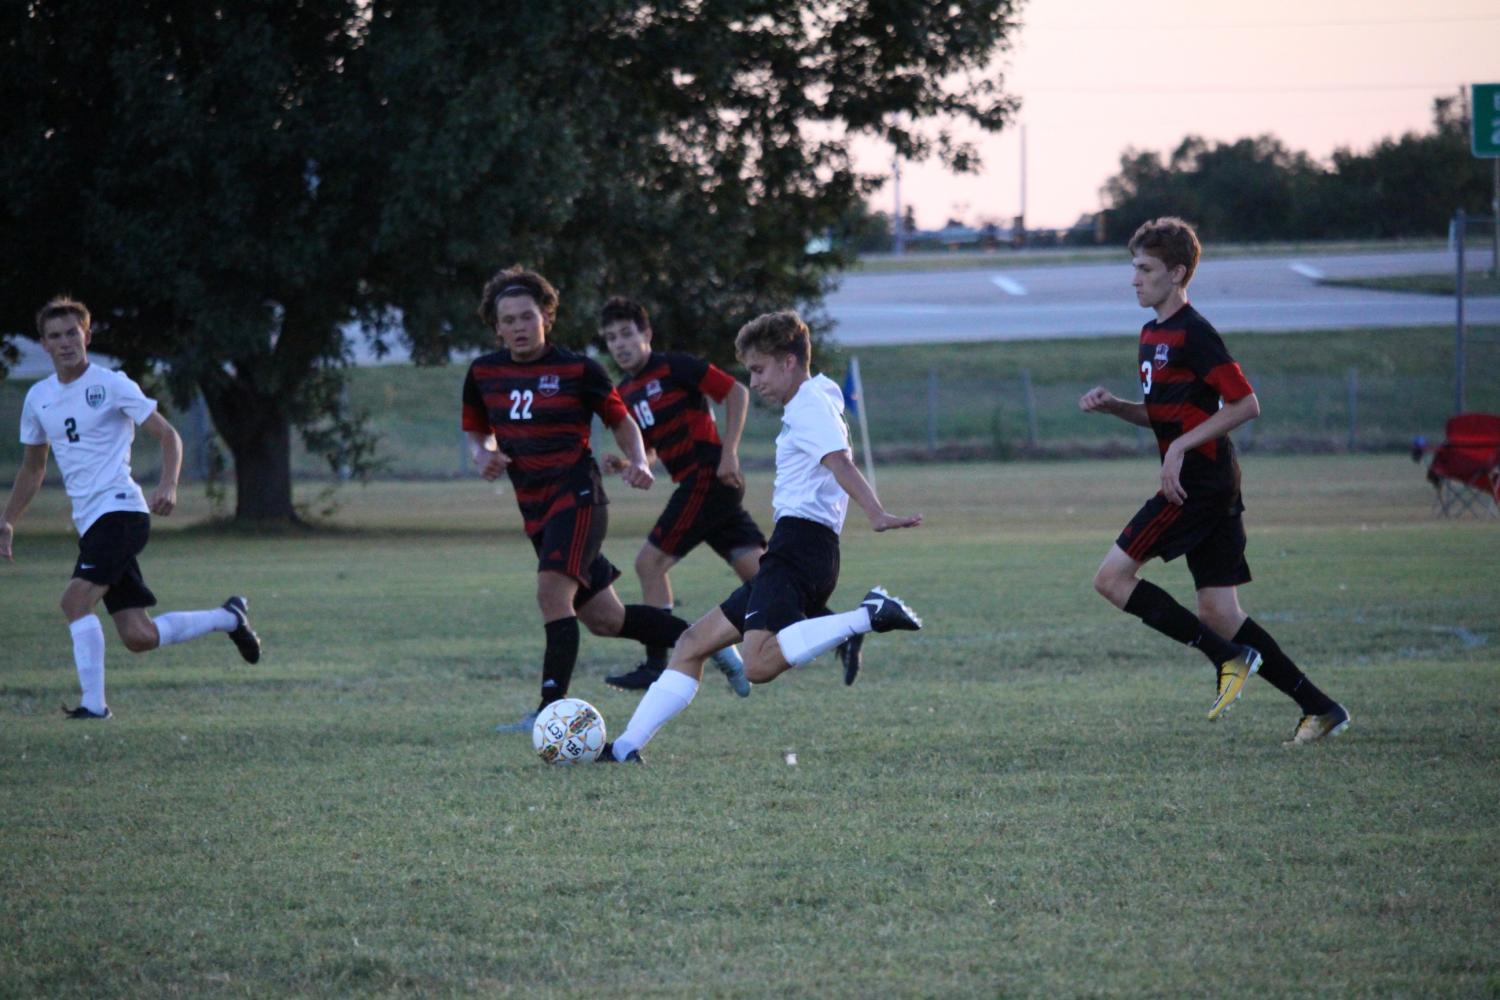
1403, 387
1475, 283
1022, 800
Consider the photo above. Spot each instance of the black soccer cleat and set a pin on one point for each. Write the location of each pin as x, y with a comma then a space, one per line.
607, 756
82, 713
888, 614
639, 679
243, 636
851, 655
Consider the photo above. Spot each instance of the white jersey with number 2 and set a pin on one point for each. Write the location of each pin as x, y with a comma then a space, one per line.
90, 424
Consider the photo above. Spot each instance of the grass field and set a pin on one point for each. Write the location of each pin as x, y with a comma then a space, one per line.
1402, 382
1022, 800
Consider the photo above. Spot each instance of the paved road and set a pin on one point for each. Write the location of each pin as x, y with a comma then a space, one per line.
1073, 300
1082, 300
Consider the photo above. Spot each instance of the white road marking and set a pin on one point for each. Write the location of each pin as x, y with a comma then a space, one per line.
1008, 285
1306, 270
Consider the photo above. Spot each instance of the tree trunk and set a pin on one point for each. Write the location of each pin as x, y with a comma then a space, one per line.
258, 434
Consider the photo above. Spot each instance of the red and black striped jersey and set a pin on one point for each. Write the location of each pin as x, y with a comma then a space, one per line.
1185, 371
668, 398
541, 412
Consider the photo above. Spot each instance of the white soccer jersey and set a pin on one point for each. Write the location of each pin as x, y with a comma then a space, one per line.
90, 424
812, 427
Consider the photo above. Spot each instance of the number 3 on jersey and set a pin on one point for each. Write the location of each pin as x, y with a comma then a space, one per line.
1146, 378
520, 404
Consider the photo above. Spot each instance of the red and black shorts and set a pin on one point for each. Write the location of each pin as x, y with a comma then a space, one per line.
569, 543
1211, 533
704, 508
797, 576
106, 555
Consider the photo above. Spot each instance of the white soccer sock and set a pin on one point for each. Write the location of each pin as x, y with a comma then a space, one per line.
88, 656
180, 626
669, 695
807, 640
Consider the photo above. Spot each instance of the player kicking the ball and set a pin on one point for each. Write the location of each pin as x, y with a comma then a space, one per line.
1195, 394
88, 416
527, 410
815, 478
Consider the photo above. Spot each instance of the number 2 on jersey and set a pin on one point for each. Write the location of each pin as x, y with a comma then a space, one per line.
520, 404
71, 426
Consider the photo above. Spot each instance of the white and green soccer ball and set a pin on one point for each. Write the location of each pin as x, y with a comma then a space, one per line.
568, 731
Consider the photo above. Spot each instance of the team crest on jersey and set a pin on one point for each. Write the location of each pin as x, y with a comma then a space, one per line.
1161, 355
548, 385
653, 388
94, 396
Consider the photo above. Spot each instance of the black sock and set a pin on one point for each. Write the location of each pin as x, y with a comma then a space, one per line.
1156, 608
652, 627
656, 656
557, 663
1278, 668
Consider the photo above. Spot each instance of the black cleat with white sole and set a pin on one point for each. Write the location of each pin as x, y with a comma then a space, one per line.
83, 714
607, 756
639, 679
889, 614
243, 636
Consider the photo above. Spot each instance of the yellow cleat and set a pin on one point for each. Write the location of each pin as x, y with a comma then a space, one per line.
1312, 728
1232, 677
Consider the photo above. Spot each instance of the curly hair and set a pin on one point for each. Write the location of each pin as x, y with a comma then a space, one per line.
517, 280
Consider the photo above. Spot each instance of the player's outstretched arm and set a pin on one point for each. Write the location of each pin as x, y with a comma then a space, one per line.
736, 406
164, 498
28, 482
486, 455
637, 471
1101, 400
848, 476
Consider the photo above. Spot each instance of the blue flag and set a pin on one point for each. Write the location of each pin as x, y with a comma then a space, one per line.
851, 392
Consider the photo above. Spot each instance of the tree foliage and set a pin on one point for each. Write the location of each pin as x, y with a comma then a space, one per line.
1257, 189
232, 186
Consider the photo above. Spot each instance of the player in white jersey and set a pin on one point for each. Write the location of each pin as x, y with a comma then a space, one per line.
775, 612
87, 415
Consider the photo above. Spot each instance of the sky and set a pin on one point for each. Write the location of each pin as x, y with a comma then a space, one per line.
1098, 76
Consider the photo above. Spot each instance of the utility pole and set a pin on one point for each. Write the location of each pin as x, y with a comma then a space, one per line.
898, 224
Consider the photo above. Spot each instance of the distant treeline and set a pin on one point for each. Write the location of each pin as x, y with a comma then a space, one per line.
1257, 189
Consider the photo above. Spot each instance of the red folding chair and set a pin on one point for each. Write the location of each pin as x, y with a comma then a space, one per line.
1465, 468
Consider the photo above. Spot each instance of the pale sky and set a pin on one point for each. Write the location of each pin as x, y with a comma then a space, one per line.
1095, 77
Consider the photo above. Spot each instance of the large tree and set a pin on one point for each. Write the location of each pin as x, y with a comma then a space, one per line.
234, 184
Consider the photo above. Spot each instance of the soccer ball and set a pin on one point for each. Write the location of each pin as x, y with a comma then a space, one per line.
568, 731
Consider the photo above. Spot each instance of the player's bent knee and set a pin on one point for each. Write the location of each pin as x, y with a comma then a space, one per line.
1113, 588
140, 640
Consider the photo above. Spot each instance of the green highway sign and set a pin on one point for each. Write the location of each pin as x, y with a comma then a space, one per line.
1486, 105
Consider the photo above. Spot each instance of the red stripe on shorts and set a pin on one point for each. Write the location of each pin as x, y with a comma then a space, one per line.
580, 538
701, 486
1140, 549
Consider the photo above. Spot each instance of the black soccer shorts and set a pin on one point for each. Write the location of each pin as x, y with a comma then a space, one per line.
1211, 533
703, 508
106, 555
797, 576
569, 543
